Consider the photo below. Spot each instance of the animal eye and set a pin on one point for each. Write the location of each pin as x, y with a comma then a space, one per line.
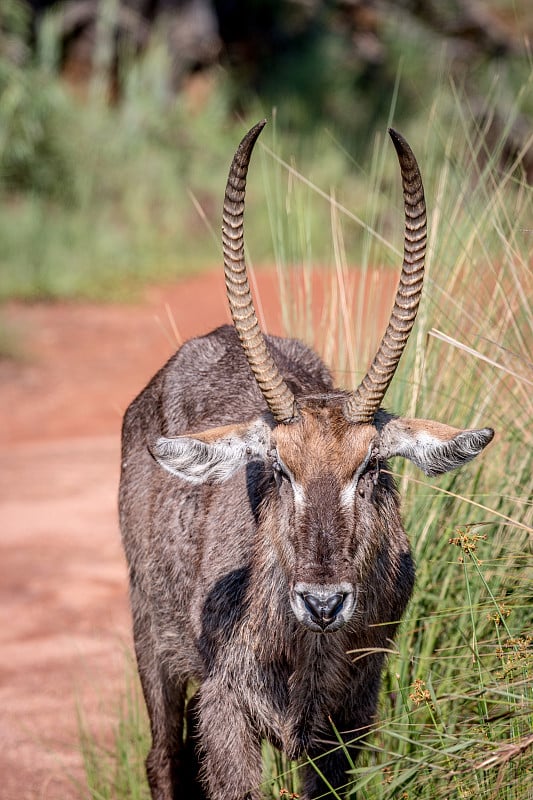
370, 475
280, 468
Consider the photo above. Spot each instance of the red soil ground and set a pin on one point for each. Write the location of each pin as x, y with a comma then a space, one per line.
64, 617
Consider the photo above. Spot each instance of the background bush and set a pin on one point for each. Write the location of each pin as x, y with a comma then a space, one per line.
112, 168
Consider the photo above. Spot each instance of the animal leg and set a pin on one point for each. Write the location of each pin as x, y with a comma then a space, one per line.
331, 761
167, 768
230, 746
329, 769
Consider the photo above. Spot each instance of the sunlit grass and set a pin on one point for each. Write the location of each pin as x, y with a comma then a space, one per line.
114, 768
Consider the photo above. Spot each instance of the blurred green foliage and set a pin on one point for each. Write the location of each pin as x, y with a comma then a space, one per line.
115, 180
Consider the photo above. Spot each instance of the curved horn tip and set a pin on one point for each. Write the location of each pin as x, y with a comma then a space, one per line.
400, 144
254, 132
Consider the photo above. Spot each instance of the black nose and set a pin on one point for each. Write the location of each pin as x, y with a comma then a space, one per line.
323, 609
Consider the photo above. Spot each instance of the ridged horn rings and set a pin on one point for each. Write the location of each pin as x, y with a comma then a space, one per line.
278, 396
366, 399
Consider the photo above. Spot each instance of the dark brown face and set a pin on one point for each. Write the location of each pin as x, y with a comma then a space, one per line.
322, 458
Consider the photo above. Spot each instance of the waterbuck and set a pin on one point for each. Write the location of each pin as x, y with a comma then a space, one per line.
263, 534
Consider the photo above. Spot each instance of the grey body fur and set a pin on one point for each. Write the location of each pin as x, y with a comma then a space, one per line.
209, 593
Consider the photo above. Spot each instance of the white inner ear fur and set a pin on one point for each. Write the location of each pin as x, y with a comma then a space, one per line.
434, 447
213, 455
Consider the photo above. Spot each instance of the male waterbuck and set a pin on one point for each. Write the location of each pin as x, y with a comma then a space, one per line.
263, 535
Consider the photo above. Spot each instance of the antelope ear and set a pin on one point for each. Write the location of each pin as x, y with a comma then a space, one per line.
432, 446
213, 455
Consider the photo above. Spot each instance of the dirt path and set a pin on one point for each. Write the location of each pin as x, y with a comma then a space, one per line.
64, 618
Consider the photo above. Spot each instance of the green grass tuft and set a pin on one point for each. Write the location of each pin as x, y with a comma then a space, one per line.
114, 768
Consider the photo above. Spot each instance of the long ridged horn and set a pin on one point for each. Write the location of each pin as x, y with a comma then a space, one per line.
365, 401
277, 394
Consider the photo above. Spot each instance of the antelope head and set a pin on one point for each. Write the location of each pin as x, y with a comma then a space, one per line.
324, 451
